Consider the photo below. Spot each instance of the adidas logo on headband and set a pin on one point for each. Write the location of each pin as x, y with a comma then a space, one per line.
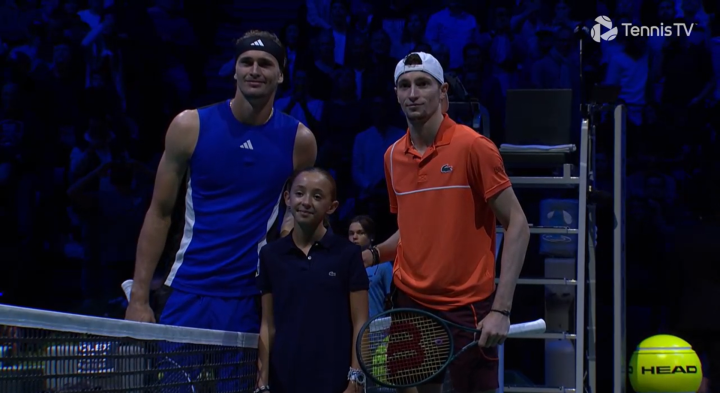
266, 45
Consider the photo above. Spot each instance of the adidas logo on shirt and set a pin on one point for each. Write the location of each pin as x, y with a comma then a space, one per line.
257, 43
247, 145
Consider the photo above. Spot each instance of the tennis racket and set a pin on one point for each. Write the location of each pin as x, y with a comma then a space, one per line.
405, 347
171, 378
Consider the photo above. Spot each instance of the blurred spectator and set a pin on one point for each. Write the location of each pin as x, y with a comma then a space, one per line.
528, 24
318, 13
104, 178
369, 148
179, 45
104, 58
343, 117
692, 11
505, 49
687, 80
359, 60
97, 145
472, 59
423, 47
15, 20
664, 13
323, 66
299, 104
562, 16
369, 58
481, 84
12, 123
294, 40
413, 33
456, 90
339, 25
120, 210
380, 46
363, 19
65, 86
452, 27
33, 46
558, 69
629, 69
93, 15
392, 16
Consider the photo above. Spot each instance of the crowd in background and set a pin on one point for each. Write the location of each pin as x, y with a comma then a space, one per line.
89, 87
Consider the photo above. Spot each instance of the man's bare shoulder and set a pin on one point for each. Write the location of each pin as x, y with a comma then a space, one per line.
305, 149
182, 134
304, 136
186, 120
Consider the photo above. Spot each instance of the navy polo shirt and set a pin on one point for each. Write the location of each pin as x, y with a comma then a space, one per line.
311, 309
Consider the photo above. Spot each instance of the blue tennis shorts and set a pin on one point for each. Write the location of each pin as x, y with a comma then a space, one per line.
236, 369
207, 312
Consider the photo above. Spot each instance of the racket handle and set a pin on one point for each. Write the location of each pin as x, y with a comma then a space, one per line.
534, 327
127, 288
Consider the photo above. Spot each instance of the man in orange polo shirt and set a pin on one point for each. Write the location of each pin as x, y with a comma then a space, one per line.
448, 187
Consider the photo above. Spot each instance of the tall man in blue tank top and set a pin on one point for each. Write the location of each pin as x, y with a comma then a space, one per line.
237, 155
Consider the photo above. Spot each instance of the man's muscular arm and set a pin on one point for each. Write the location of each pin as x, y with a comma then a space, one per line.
304, 155
180, 142
490, 184
508, 211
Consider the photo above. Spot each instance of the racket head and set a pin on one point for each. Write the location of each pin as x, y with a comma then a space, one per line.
171, 378
404, 347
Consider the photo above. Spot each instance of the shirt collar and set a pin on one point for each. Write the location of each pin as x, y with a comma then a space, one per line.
327, 241
443, 137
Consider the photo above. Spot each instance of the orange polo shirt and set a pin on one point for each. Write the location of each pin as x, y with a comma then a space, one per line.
446, 255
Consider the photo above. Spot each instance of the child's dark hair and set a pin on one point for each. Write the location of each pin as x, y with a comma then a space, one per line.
326, 174
367, 224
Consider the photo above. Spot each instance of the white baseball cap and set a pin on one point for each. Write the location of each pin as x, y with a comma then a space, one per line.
429, 65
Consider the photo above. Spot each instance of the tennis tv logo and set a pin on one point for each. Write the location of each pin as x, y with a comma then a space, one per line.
596, 32
605, 31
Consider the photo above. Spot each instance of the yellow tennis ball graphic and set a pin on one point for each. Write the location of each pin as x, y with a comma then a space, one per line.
379, 361
665, 363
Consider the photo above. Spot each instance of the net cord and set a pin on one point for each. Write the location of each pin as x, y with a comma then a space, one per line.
63, 322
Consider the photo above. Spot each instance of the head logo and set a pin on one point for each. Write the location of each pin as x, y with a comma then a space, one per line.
596, 32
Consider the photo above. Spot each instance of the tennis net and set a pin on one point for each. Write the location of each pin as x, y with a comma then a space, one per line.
44, 351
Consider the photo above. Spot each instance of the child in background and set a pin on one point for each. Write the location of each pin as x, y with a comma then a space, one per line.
362, 233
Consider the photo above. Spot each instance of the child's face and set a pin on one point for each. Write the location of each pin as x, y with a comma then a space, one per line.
311, 198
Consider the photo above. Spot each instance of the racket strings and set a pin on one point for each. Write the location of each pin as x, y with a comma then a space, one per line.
408, 350
172, 378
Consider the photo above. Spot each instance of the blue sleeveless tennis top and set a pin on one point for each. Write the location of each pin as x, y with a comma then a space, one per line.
235, 182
